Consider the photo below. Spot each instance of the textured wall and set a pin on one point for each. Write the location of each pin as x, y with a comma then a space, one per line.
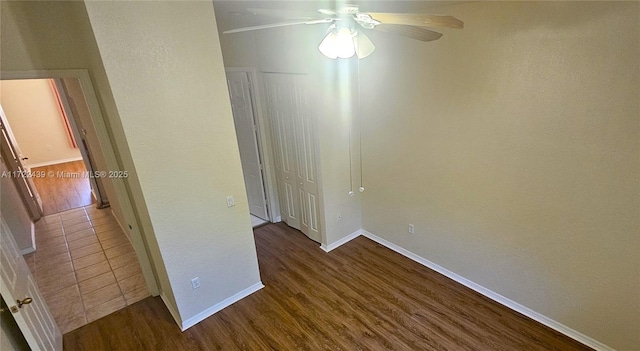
35, 120
165, 69
512, 146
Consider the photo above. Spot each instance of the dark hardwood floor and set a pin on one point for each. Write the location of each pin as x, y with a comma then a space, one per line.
361, 296
60, 192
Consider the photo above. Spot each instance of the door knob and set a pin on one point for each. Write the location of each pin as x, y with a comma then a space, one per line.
300, 183
25, 301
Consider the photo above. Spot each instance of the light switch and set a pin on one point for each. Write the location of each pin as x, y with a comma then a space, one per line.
230, 201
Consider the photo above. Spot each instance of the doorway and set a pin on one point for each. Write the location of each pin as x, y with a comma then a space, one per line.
242, 91
35, 114
91, 253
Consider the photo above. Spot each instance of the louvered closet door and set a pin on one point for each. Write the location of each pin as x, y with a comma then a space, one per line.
290, 114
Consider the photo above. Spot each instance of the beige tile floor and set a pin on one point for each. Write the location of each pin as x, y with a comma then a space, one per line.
84, 266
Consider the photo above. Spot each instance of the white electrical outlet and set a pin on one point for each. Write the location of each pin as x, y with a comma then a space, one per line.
411, 229
230, 201
195, 283
339, 216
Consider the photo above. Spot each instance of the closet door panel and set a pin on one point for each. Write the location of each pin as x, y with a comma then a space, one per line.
292, 123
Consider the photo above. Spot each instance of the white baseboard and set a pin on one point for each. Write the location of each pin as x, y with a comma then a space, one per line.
54, 162
124, 229
342, 241
493, 295
219, 306
174, 313
27, 251
277, 219
31, 248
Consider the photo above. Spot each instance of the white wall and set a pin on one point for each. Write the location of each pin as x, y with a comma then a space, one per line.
36, 122
165, 69
512, 146
239, 49
15, 213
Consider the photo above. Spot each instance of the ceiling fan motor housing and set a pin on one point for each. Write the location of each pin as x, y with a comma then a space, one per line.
365, 20
349, 10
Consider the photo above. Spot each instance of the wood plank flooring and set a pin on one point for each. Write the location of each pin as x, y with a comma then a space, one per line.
361, 296
62, 193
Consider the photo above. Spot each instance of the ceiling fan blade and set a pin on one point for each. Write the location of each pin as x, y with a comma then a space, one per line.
409, 31
275, 25
420, 20
284, 13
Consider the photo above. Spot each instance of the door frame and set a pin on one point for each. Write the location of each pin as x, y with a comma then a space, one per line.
80, 140
108, 151
319, 235
265, 149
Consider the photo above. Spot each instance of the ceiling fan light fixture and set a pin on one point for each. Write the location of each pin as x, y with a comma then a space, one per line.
364, 47
344, 43
328, 46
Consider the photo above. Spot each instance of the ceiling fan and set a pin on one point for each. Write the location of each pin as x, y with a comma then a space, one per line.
345, 36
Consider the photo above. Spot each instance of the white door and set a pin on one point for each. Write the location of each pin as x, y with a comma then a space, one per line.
278, 104
293, 132
16, 284
306, 158
246, 132
13, 160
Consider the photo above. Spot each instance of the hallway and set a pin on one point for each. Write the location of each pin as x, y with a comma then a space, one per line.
65, 187
84, 266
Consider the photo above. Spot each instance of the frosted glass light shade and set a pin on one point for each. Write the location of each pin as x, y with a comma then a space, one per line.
364, 47
328, 46
344, 43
